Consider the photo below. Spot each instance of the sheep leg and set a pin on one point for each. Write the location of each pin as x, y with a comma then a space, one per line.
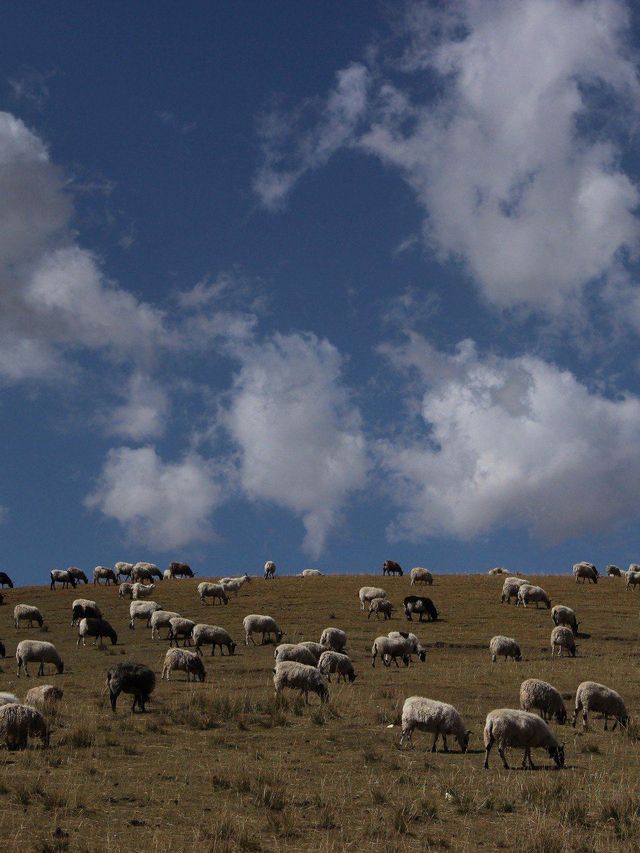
503, 757
584, 718
41, 668
433, 745
444, 738
487, 751
605, 723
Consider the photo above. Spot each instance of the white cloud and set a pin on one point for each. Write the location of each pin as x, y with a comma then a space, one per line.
144, 413
510, 442
164, 505
300, 437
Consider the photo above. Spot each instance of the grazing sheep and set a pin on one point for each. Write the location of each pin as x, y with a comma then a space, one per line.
213, 591
44, 697
141, 590
142, 610
104, 573
123, 570
414, 646
166, 575
562, 615
8, 698
63, 577
40, 651
299, 676
542, 696
205, 634
125, 590
235, 584
316, 649
390, 567
334, 639
256, 624
633, 579
331, 661
510, 589
269, 570
614, 572
429, 715
506, 647
5, 580
390, 649
310, 573
519, 729
380, 605
185, 661
145, 572
418, 604
367, 594
179, 570
179, 627
134, 678
295, 651
563, 640
421, 575
78, 574
82, 607
591, 696
161, 619
528, 593
19, 722
586, 571
97, 628
27, 613
498, 571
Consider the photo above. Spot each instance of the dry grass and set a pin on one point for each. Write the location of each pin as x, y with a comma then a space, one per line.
222, 766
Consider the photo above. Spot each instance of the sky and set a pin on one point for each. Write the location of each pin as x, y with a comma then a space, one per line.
322, 283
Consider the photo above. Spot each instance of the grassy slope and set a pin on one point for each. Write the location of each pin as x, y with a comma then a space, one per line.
219, 766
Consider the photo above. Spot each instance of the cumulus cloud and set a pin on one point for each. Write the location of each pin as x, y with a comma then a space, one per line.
299, 435
510, 442
163, 505
144, 412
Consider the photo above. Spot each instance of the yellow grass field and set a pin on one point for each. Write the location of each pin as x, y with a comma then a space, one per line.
221, 766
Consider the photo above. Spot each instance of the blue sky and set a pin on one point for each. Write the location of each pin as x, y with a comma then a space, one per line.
319, 283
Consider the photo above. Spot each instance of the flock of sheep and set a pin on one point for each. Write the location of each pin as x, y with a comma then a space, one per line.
307, 666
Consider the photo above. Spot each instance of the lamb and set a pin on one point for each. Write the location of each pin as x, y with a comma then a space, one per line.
299, 676
334, 639
63, 577
380, 605
213, 591
429, 715
179, 627
504, 646
295, 652
5, 580
390, 567
586, 571
82, 607
528, 593
8, 698
562, 615
145, 572
19, 722
499, 570
205, 634
419, 604
123, 570
44, 697
335, 662
633, 579
235, 584
614, 571
142, 610
542, 696
141, 590
37, 650
562, 639
161, 619
97, 628
414, 646
522, 730
186, 661
135, 678
256, 624
510, 589
78, 574
269, 570
421, 575
104, 573
27, 613
316, 649
125, 590
591, 696
179, 570
310, 573
166, 575
367, 594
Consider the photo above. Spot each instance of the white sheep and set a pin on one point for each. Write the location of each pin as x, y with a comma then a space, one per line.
44, 697
141, 590
591, 696
331, 662
40, 651
378, 606
563, 615
62, 576
522, 730
334, 639
235, 584
125, 590
632, 578
529, 593
180, 627
506, 647
142, 610
104, 573
299, 676
563, 640
538, 694
421, 575
510, 589
123, 570
316, 649
8, 698
296, 652
310, 573
161, 619
143, 571
586, 571
499, 570
27, 613
269, 570
213, 591
367, 594
19, 722
390, 649
413, 644
265, 625
184, 660
82, 607
203, 635
438, 718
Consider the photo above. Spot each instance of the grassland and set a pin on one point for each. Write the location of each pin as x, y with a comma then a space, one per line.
221, 766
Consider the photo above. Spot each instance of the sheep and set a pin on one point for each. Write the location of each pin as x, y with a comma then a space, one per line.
145, 572
213, 591
296, 652
418, 604
161, 619
586, 571
63, 577
334, 639
235, 584
380, 605
414, 646
504, 646
614, 571
528, 593
390, 649
310, 573
591, 696
166, 575
562, 615
27, 613
78, 574
97, 628
123, 570
186, 661
316, 649
421, 575
542, 696
44, 697
19, 722
8, 698
82, 607
390, 567
438, 718
499, 570
562, 639
205, 634
256, 624
141, 590
142, 610
367, 594
510, 589
37, 650
269, 570
522, 730
179, 570
633, 579
331, 661
5, 580
299, 676
179, 627
104, 573
128, 677
125, 590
